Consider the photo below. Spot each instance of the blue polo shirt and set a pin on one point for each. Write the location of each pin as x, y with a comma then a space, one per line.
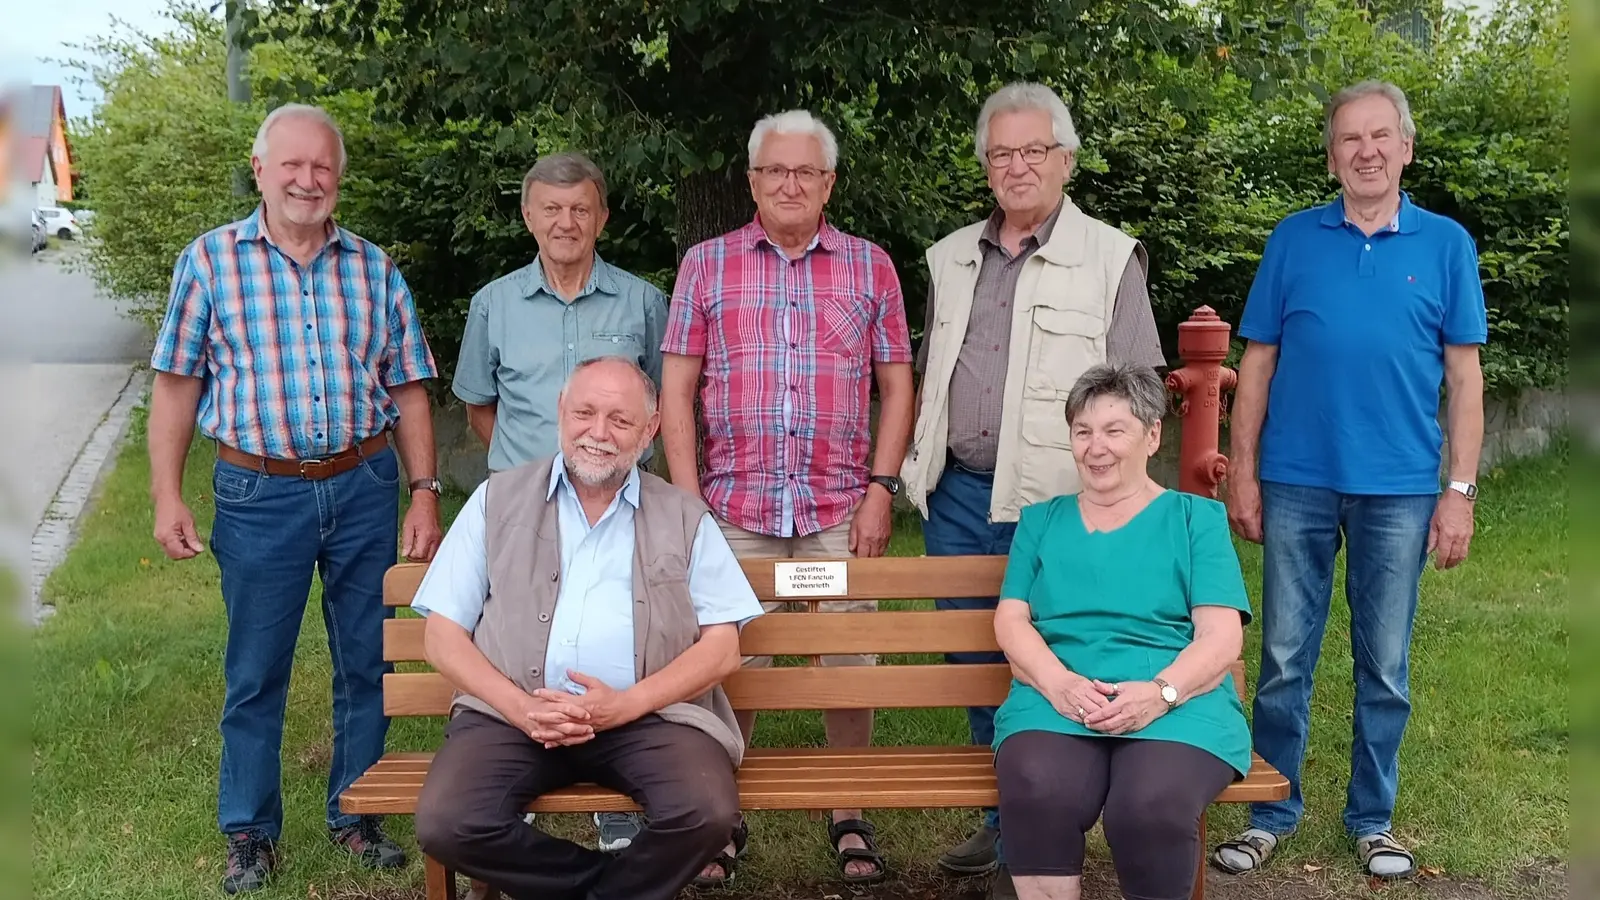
1361, 324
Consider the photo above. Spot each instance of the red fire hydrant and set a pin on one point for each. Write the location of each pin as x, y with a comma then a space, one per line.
1202, 345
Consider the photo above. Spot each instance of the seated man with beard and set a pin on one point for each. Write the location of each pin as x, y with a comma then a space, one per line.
586, 613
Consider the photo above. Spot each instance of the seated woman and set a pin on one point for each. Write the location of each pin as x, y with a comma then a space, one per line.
1122, 609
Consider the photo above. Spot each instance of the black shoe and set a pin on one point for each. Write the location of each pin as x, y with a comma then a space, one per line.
1001, 887
367, 842
251, 859
974, 856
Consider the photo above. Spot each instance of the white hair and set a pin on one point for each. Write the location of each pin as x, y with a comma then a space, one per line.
795, 121
1027, 95
1373, 87
298, 111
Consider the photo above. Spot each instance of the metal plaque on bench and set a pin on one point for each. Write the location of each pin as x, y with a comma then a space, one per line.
808, 578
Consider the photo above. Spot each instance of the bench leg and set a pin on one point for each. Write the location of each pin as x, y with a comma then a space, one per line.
441, 881
1199, 892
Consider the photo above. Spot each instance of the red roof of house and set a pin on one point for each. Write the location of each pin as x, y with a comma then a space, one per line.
39, 107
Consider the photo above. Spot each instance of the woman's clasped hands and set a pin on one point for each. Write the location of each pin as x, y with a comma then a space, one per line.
1109, 708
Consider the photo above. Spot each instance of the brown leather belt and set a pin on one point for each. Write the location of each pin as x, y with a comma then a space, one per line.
309, 469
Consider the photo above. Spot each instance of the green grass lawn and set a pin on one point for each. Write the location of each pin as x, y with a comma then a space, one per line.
128, 688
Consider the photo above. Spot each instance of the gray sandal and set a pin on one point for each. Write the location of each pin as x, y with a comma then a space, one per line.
1381, 847
1253, 844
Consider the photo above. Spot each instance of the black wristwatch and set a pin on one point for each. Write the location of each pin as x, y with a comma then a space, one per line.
889, 482
427, 484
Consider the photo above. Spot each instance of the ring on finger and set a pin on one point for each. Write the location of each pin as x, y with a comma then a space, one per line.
1081, 714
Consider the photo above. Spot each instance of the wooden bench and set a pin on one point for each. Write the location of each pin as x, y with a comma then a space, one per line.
795, 778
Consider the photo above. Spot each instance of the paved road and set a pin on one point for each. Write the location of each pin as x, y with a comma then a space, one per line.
66, 353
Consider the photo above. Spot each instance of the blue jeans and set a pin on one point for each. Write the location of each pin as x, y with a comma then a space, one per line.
270, 533
958, 524
1386, 539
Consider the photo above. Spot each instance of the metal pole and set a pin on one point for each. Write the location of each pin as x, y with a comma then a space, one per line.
238, 84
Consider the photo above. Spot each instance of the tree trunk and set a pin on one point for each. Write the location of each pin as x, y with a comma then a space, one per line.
709, 204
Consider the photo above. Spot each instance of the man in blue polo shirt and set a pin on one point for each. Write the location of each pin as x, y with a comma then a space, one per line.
1359, 311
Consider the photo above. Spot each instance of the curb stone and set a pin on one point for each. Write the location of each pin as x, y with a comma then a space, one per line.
58, 529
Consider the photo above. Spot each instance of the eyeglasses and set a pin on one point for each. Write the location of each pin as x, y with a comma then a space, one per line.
1033, 154
807, 175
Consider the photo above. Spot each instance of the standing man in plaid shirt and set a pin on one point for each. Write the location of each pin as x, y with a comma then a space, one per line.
295, 344
790, 320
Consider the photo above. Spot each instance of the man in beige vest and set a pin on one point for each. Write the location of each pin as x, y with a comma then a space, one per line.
586, 613
1019, 306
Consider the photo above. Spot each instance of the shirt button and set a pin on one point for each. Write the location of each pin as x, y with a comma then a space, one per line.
534, 672
1368, 247
316, 399
544, 617
319, 435
308, 326
305, 293
1002, 306
997, 346
986, 432
988, 390
569, 346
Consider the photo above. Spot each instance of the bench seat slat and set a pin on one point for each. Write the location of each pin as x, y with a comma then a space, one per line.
876, 778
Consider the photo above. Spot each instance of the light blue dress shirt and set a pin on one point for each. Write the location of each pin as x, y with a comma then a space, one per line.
592, 629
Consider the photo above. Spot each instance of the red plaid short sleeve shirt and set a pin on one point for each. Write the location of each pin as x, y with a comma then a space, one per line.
788, 348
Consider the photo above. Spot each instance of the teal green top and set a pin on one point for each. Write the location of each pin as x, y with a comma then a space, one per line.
1115, 605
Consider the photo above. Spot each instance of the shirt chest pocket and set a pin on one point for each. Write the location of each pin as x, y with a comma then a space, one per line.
612, 342
844, 324
1063, 342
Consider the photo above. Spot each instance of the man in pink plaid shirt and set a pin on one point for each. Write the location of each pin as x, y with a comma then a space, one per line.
789, 320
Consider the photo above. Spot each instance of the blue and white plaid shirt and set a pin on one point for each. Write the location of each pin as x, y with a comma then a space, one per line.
296, 361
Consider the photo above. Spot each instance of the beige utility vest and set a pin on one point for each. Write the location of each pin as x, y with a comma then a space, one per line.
523, 535
1065, 296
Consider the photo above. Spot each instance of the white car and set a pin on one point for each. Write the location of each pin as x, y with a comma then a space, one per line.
61, 223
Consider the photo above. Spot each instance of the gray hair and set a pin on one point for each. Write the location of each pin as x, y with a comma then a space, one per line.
1369, 88
1027, 95
1139, 385
651, 396
564, 170
299, 111
795, 121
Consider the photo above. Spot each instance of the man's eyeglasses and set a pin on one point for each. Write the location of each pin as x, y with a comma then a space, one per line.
807, 175
1033, 154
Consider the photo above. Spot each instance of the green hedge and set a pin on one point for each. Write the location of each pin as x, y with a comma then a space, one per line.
1197, 162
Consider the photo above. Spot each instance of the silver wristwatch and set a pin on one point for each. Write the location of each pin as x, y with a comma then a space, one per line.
1465, 488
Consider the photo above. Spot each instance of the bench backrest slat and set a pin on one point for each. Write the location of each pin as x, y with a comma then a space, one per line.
883, 578
803, 634
806, 634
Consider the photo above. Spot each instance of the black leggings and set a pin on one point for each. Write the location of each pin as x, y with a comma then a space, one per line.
1054, 786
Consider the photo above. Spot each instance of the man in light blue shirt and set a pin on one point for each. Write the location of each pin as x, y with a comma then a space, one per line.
590, 648
527, 330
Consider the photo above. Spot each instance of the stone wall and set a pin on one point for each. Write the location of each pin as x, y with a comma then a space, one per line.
1513, 428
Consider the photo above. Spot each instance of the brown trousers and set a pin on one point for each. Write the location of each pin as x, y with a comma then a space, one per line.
469, 816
